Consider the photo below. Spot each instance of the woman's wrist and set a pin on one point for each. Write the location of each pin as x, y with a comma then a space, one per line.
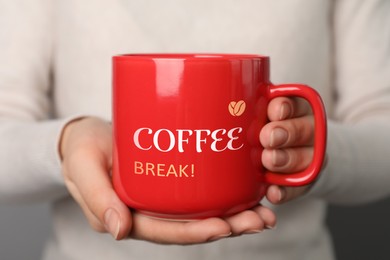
65, 134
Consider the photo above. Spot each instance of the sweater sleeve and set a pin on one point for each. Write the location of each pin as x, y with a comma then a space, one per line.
358, 168
30, 167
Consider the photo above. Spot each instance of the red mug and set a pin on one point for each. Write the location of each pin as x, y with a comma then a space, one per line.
186, 133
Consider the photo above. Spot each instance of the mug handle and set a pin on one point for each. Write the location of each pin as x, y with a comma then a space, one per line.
310, 173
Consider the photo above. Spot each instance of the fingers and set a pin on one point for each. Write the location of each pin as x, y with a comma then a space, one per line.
282, 108
178, 232
288, 133
246, 222
201, 231
290, 123
252, 221
267, 215
278, 194
288, 143
288, 138
287, 160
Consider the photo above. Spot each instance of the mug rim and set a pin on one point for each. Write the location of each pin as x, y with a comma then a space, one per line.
190, 56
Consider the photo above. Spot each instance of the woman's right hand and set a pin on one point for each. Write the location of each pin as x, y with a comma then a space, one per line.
86, 151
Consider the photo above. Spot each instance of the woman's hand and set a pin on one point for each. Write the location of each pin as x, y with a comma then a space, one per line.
288, 143
85, 148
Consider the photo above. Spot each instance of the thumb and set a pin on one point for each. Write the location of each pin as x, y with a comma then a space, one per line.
86, 166
115, 216
99, 201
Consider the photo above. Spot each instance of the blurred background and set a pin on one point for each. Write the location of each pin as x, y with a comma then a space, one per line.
361, 232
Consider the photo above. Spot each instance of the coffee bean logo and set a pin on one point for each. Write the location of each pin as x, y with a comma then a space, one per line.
237, 108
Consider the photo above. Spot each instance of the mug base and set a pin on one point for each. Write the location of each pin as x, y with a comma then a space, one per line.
153, 215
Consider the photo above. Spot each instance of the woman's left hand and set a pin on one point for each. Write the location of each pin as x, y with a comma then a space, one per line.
288, 143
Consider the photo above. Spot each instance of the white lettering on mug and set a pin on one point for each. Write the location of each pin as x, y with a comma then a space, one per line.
171, 140
232, 137
136, 138
181, 140
219, 140
199, 138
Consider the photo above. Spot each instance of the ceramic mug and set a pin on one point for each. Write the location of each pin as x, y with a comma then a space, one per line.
186, 133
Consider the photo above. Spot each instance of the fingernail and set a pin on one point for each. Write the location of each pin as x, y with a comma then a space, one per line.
253, 231
279, 158
285, 111
282, 194
278, 137
218, 237
112, 222
270, 227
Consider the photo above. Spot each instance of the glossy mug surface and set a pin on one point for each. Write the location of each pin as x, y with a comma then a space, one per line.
186, 133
